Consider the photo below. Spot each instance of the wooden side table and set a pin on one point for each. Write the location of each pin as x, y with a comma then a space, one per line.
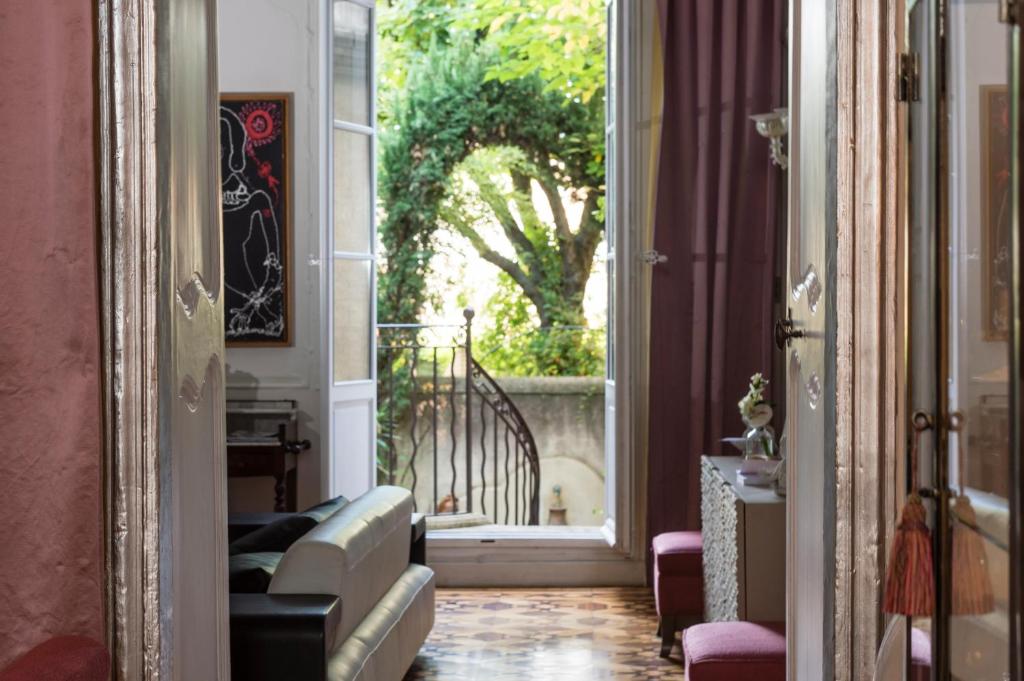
272, 458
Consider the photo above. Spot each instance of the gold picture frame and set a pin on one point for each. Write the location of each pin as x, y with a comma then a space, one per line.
995, 211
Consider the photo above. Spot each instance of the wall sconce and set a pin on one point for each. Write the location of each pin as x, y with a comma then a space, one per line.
774, 126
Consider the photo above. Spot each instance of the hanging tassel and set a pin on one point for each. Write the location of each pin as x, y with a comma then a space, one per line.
908, 582
972, 586
909, 588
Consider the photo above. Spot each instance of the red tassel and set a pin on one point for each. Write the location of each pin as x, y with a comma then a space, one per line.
972, 586
908, 585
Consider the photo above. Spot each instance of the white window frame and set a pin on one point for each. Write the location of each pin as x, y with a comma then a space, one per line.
615, 552
328, 254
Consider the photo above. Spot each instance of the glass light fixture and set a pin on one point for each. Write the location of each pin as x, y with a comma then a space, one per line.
774, 126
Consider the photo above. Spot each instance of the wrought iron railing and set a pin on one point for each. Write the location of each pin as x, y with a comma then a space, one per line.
447, 430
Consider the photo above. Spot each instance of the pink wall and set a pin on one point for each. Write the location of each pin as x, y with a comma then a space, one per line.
51, 532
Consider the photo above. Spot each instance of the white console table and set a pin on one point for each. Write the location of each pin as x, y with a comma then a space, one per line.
744, 532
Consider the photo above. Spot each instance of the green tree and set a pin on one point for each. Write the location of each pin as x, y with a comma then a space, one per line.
484, 103
561, 41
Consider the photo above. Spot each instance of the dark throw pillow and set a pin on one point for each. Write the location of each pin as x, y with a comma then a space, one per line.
250, 573
322, 512
277, 536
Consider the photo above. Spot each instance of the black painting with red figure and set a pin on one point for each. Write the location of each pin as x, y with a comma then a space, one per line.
255, 202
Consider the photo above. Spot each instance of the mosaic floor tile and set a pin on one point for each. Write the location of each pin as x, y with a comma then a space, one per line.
541, 634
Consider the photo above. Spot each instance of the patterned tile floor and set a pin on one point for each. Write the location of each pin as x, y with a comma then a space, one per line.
535, 635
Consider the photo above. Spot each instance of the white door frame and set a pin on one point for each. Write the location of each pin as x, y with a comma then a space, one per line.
356, 394
165, 462
866, 445
614, 553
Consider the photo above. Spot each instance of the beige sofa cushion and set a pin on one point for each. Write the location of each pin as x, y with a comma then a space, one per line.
356, 554
385, 644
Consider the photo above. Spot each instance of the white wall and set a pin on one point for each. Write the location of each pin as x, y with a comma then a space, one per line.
273, 46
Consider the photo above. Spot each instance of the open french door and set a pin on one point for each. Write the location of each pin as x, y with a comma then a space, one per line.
611, 224
964, 333
349, 268
810, 351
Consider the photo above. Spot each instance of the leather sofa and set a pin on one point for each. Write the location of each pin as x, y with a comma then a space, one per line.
345, 601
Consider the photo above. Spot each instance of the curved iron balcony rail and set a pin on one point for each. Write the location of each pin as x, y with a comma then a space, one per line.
427, 413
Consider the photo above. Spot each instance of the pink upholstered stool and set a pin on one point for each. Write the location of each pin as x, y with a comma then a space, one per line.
735, 651
678, 583
67, 658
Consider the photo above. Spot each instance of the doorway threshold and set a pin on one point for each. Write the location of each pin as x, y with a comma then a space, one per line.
530, 533
531, 556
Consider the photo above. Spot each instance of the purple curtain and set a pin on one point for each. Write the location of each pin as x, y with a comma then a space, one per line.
716, 219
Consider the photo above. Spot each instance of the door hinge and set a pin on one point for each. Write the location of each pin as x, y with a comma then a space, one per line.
1008, 12
908, 87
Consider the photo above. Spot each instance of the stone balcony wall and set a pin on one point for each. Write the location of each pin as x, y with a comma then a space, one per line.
566, 416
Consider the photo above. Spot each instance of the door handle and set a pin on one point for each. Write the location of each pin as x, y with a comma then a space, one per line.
785, 331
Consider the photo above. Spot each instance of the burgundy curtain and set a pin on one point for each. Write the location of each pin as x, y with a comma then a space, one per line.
716, 220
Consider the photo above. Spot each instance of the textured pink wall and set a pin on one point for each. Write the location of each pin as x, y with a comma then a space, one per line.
51, 541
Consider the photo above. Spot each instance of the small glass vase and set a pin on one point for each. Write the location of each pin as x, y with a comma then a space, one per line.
759, 437
760, 442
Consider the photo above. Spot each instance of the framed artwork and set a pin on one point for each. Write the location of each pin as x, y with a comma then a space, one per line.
995, 211
256, 191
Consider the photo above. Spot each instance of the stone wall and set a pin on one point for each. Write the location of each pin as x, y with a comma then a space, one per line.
566, 417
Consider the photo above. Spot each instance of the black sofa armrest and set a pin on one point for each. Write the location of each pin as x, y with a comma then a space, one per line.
282, 636
418, 550
241, 524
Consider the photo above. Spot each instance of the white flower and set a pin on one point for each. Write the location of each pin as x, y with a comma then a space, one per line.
754, 396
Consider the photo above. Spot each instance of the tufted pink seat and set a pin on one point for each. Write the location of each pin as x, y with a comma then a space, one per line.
735, 651
920, 655
678, 583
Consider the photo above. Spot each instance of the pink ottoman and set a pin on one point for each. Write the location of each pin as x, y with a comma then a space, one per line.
678, 583
920, 655
734, 651
67, 658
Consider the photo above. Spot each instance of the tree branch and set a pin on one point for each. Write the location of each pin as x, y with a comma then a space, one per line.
578, 254
510, 267
550, 186
496, 201
523, 196
591, 230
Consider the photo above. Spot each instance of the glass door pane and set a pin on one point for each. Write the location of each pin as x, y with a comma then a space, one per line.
978, 304
351, 238
351, 63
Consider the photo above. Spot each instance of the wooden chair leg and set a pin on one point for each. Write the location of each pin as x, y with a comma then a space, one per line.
667, 630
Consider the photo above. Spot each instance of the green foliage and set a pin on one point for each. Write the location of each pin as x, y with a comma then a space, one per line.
448, 110
481, 101
561, 41
515, 346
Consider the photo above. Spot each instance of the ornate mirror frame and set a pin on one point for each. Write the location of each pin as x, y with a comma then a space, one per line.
163, 342
128, 267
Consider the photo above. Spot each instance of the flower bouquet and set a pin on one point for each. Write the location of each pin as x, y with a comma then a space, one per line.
760, 458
